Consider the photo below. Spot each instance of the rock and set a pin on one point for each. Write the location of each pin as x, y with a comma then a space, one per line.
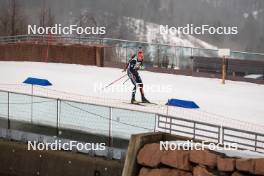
226, 164
144, 171
175, 172
178, 159
150, 155
201, 171
203, 157
254, 166
245, 165
163, 172
259, 166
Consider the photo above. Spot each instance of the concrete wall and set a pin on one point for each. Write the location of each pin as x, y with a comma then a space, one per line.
18, 161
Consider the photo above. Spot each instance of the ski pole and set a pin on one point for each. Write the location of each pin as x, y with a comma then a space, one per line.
114, 81
126, 80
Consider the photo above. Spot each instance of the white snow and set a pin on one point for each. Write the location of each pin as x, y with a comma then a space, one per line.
238, 104
254, 76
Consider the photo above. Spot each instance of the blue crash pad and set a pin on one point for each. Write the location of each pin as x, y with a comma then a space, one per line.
37, 81
182, 103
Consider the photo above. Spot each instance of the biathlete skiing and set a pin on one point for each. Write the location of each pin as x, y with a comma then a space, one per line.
132, 68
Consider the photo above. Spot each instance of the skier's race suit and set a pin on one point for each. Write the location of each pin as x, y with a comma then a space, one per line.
132, 71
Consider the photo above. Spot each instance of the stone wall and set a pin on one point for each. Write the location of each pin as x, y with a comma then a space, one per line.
156, 162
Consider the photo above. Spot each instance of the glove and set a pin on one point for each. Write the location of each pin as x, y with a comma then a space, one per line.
141, 67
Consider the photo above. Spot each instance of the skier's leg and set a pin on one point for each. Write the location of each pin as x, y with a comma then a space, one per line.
141, 90
143, 98
140, 83
133, 80
133, 99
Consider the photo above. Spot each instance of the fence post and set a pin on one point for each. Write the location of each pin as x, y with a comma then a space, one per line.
194, 129
224, 67
170, 125
223, 134
110, 139
219, 134
256, 141
57, 121
156, 123
8, 110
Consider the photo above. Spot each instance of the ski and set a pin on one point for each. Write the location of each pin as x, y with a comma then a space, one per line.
142, 103
137, 103
149, 103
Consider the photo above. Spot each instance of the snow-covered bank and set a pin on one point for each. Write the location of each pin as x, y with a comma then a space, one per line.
236, 100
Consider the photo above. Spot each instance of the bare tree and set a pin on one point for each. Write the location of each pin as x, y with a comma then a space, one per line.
4, 20
12, 19
46, 17
86, 19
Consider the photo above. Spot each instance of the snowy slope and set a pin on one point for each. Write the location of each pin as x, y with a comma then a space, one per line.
235, 100
150, 32
130, 28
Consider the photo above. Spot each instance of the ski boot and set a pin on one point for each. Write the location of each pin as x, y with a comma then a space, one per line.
133, 101
144, 100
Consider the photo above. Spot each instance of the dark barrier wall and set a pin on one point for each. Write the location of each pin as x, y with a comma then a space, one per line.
16, 160
72, 54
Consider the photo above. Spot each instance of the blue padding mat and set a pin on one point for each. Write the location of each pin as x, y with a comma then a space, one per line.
36, 81
182, 103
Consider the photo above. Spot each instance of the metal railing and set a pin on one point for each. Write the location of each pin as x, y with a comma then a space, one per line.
251, 140
210, 132
189, 128
54, 116
105, 123
109, 124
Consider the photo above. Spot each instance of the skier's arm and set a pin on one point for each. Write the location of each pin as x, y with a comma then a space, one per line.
125, 68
